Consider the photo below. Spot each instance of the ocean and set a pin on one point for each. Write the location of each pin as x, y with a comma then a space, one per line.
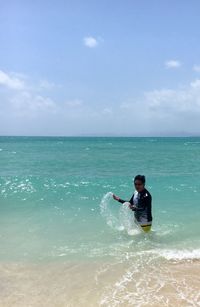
58, 219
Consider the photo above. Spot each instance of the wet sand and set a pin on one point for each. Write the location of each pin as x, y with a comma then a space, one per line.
100, 284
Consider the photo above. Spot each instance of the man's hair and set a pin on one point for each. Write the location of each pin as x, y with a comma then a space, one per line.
140, 177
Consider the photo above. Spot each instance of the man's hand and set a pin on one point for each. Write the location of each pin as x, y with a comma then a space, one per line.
132, 207
116, 197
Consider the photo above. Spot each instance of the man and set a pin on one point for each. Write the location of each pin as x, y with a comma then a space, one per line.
140, 203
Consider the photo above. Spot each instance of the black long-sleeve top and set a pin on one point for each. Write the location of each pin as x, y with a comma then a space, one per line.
141, 208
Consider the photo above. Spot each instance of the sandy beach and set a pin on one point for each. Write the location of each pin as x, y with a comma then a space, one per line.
100, 284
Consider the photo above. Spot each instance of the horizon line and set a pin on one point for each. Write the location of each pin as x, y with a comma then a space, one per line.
105, 136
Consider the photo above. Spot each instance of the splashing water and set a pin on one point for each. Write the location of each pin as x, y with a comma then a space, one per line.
106, 211
120, 220
127, 220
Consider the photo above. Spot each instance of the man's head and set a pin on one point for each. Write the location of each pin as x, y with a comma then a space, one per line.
139, 182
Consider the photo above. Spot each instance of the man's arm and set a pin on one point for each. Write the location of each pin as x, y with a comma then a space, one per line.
131, 206
148, 201
147, 204
119, 199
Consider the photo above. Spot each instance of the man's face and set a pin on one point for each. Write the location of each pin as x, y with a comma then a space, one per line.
139, 186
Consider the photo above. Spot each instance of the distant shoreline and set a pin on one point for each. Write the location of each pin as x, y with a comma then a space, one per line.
99, 136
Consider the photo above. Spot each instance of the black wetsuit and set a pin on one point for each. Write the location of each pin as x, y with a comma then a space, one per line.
140, 203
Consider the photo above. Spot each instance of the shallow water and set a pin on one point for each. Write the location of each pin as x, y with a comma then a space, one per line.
56, 202
55, 199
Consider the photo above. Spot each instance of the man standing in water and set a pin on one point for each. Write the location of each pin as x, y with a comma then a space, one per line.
140, 203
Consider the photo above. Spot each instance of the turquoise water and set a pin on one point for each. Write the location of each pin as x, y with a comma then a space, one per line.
55, 200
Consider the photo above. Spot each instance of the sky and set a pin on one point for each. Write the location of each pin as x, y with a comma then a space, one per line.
100, 68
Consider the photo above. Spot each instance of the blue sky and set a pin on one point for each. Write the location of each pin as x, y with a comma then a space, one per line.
99, 67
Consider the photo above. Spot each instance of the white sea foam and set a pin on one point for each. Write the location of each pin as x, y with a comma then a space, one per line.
85, 182
169, 254
173, 254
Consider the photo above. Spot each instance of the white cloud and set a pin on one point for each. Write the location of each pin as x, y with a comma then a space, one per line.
195, 84
158, 112
196, 68
44, 84
168, 102
165, 111
172, 64
26, 103
126, 105
74, 103
90, 42
107, 111
26, 99
11, 81
25, 109
21, 98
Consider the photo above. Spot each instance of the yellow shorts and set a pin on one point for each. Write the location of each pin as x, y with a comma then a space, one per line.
146, 228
